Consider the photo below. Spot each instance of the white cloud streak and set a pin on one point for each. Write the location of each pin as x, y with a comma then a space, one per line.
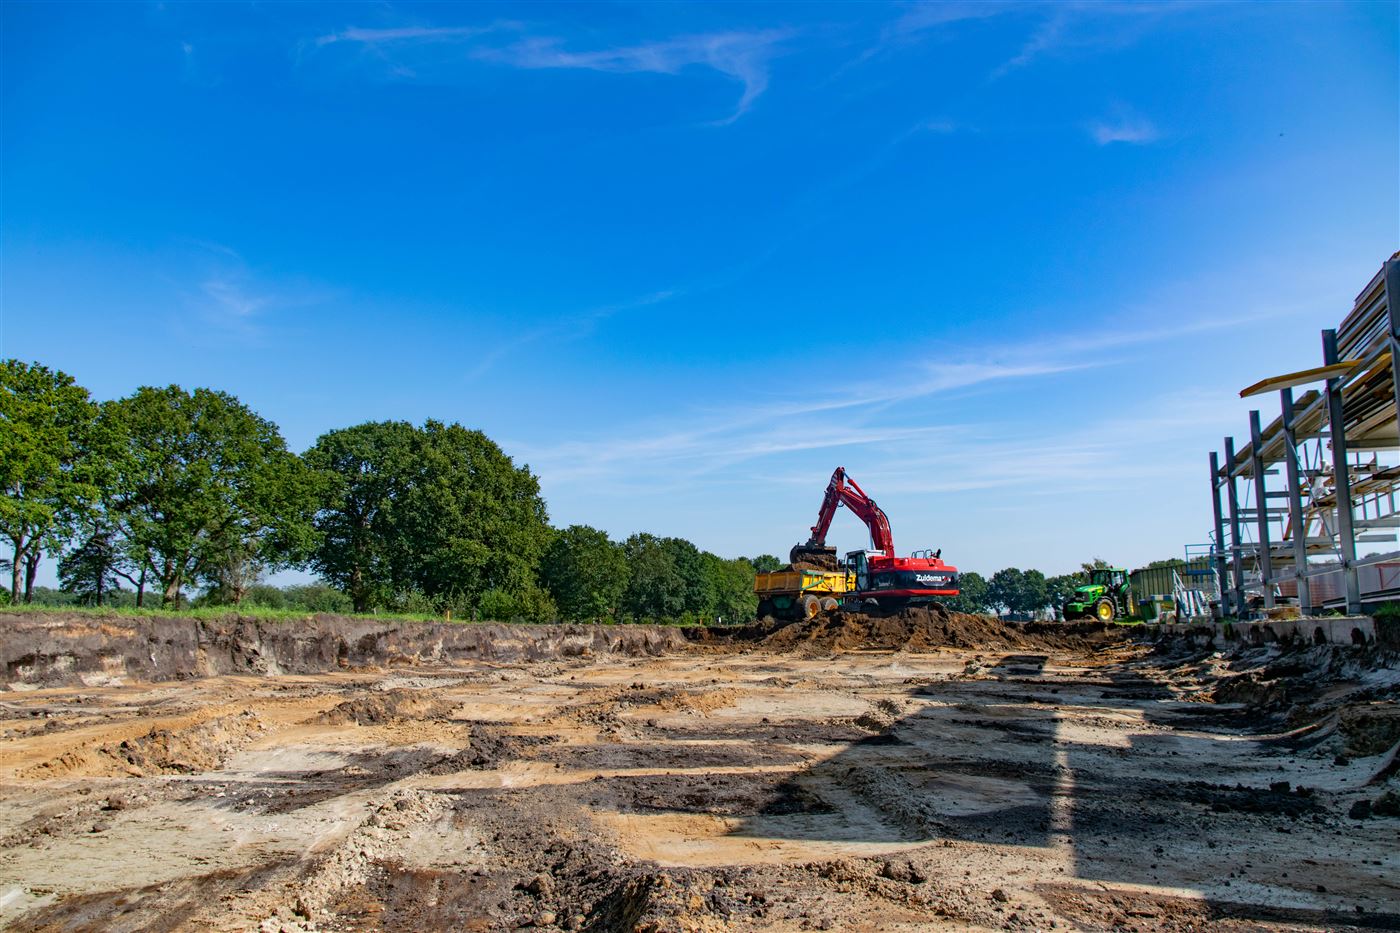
403, 34
232, 297
572, 327
849, 418
1134, 130
743, 56
227, 295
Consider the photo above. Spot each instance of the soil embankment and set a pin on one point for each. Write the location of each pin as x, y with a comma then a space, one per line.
916, 628
70, 649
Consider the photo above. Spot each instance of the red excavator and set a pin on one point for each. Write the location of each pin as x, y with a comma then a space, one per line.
891, 582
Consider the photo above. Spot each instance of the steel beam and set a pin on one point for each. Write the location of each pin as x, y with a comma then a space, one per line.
1295, 504
1236, 552
1341, 472
1266, 559
1220, 573
1392, 299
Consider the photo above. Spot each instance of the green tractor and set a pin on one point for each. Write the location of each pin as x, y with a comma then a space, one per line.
1105, 597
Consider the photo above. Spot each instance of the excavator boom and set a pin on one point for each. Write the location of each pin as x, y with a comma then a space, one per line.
842, 490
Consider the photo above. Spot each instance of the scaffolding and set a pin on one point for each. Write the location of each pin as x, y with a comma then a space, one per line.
1320, 479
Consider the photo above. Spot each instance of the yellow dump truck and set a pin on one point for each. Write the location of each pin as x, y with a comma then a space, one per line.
801, 594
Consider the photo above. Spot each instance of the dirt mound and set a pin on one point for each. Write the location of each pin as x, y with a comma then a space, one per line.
191, 750
1370, 728
389, 706
1252, 689
810, 565
913, 629
917, 628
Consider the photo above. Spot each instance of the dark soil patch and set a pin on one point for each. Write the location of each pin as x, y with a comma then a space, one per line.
614, 755
1280, 799
716, 794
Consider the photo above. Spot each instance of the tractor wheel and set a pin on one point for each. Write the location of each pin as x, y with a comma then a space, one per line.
830, 604
809, 607
765, 608
1103, 610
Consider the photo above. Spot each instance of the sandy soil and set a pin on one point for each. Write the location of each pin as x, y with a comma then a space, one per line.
1094, 787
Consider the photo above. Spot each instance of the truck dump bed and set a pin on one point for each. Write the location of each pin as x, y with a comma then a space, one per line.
797, 582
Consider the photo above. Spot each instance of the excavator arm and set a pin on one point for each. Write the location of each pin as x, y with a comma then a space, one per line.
843, 490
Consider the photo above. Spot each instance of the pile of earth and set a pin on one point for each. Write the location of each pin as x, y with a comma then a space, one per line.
915, 628
388, 706
807, 565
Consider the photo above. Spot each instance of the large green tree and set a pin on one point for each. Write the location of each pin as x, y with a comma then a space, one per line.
92, 569
697, 592
731, 582
48, 476
1034, 595
765, 563
1060, 588
201, 483
654, 586
585, 572
439, 511
477, 520
972, 596
367, 470
1018, 590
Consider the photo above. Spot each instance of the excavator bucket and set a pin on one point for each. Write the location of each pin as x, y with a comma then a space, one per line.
816, 558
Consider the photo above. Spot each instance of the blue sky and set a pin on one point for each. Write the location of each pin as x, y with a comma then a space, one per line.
1009, 264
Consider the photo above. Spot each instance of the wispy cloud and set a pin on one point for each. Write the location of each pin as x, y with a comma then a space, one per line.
924, 17
1048, 35
226, 294
715, 440
569, 327
870, 415
743, 56
403, 34
1079, 25
1124, 128
232, 298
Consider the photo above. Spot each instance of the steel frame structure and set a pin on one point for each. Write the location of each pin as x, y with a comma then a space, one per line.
1337, 450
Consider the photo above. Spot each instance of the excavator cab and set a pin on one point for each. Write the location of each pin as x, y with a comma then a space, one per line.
859, 563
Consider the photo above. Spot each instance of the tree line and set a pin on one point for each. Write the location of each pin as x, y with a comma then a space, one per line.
169, 491
1022, 591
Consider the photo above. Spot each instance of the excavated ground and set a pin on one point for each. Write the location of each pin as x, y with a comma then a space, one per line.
847, 775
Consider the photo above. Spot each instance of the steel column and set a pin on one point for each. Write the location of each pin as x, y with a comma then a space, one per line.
1261, 508
1342, 475
1392, 298
1236, 556
1295, 504
1220, 572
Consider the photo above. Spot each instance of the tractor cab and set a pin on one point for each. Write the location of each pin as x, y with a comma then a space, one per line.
1110, 578
1105, 597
